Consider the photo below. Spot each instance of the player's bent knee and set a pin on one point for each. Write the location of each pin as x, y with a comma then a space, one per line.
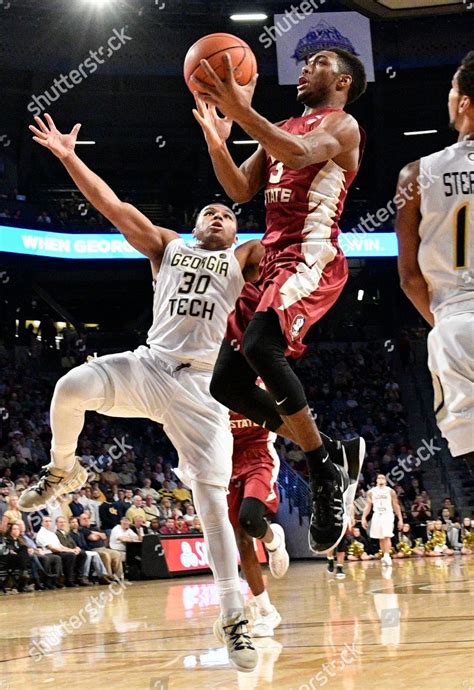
251, 517
77, 386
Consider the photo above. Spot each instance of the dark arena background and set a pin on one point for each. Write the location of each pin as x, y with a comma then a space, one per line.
71, 288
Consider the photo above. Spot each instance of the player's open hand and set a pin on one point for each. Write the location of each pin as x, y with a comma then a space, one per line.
216, 129
226, 94
46, 134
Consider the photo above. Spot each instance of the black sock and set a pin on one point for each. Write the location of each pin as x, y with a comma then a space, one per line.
319, 464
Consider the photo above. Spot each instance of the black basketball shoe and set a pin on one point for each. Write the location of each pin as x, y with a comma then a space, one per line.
329, 518
350, 456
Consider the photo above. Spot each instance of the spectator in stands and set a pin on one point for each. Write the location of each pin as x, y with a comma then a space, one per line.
93, 563
189, 514
46, 566
77, 508
195, 526
139, 527
165, 508
44, 218
120, 535
467, 537
94, 505
47, 539
154, 527
151, 510
61, 508
420, 511
148, 490
136, 509
125, 476
12, 515
169, 527
97, 541
166, 490
447, 503
109, 513
181, 493
181, 527
16, 557
66, 540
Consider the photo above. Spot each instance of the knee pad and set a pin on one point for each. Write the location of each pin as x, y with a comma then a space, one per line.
251, 517
79, 386
210, 502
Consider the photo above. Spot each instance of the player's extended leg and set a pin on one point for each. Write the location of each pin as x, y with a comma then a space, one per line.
267, 617
264, 347
230, 628
252, 521
80, 390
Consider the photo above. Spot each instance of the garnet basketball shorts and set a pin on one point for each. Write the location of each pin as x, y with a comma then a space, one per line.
254, 475
299, 287
144, 383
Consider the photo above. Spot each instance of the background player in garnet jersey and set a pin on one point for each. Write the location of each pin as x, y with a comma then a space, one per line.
253, 494
306, 165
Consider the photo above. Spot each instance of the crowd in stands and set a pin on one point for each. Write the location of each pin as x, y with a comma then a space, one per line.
352, 391
132, 490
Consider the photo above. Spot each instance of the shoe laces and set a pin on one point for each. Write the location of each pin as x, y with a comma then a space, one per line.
240, 639
47, 479
325, 504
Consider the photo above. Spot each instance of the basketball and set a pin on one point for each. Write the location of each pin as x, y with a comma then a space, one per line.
212, 48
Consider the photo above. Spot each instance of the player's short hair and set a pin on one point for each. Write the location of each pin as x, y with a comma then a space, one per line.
350, 64
465, 76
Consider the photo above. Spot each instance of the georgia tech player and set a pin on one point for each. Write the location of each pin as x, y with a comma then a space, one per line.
435, 262
168, 380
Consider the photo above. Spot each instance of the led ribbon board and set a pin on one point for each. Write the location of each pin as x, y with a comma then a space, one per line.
62, 245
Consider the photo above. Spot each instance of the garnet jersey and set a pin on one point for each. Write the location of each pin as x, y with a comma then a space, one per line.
305, 205
247, 435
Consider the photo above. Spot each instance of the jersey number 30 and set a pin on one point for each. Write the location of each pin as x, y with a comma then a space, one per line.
189, 283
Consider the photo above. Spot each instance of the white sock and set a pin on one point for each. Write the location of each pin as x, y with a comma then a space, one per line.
263, 602
274, 543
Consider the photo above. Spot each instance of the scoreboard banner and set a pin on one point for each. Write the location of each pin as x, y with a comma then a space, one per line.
62, 245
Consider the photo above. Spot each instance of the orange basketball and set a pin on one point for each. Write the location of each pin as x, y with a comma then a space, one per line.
212, 49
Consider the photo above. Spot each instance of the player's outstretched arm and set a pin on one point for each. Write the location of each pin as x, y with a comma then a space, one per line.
240, 184
339, 133
147, 238
407, 224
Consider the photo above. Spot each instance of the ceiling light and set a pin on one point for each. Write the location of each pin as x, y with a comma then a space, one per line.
421, 131
249, 17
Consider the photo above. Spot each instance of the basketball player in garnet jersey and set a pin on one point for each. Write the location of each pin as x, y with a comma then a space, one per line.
435, 232
306, 165
253, 494
168, 380
384, 502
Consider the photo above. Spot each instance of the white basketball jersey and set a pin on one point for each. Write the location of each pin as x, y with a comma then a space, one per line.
446, 230
195, 291
382, 500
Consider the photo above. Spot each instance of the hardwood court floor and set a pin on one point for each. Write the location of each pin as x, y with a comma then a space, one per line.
413, 630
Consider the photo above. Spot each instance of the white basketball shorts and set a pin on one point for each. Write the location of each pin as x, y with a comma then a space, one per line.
451, 362
145, 384
381, 526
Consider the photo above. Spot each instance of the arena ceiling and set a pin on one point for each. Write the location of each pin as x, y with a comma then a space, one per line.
399, 9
